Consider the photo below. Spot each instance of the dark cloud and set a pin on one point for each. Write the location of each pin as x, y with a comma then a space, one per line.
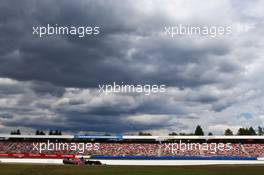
84, 62
53, 79
43, 88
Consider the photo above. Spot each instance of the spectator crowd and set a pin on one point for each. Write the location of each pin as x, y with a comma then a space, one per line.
140, 149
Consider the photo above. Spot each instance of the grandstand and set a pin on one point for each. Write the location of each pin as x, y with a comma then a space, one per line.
133, 150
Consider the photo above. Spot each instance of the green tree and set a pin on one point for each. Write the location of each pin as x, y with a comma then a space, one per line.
16, 132
144, 134
246, 131
260, 131
173, 134
199, 131
228, 132
38, 132
251, 131
242, 131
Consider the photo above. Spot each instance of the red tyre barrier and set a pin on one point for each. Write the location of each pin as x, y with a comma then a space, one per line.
29, 155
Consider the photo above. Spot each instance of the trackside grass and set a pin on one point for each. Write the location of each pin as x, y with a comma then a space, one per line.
25, 169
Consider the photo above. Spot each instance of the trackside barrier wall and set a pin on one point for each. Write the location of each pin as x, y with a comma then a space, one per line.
173, 158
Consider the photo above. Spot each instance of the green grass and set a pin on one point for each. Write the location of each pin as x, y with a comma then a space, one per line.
14, 169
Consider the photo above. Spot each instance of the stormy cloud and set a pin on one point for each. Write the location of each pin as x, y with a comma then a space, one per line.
54, 79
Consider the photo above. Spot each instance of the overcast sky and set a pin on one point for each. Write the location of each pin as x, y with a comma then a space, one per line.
52, 82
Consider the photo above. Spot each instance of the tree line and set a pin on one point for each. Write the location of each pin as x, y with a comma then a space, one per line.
38, 132
198, 132
228, 132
